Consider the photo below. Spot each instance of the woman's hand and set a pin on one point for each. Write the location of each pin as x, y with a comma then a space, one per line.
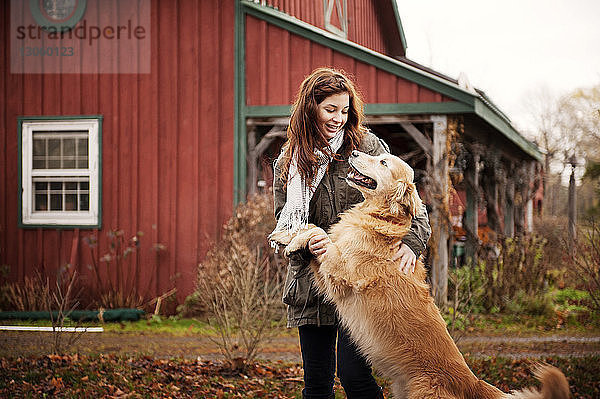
408, 259
317, 244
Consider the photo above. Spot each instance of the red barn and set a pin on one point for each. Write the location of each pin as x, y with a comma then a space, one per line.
154, 116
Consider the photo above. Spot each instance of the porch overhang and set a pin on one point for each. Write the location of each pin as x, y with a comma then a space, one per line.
462, 101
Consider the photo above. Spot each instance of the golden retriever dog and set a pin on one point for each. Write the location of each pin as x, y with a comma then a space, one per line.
391, 315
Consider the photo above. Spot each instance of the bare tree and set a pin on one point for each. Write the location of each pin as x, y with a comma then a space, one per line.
580, 121
543, 110
568, 129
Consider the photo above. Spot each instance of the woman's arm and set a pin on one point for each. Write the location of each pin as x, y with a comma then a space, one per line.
419, 233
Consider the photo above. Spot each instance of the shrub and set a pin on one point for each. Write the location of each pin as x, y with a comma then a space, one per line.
122, 261
553, 229
63, 301
466, 290
524, 303
239, 283
33, 295
519, 267
586, 261
513, 276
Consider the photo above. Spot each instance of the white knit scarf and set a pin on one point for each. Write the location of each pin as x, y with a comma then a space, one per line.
294, 215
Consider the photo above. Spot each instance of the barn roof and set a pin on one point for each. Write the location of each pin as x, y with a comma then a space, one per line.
464, 101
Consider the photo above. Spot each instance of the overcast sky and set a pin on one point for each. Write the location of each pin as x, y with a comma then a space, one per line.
509, 48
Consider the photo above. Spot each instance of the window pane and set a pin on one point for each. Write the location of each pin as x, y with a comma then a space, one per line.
84, 202
71, 185
82, 153
70, 202
39, 163
82, 145
68, 154
54, 147
69, 147
84, 185
56, 202
53, 153
41, 186
56, 185
39, 153
39, 147
41, 202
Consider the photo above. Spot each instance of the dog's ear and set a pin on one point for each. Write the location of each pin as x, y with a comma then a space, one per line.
405, 196
397, 195
412, 199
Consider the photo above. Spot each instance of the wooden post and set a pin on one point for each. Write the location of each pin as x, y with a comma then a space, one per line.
529, 215
439, 222
471, 221
490, 188
572, 209
252, 165
509, 205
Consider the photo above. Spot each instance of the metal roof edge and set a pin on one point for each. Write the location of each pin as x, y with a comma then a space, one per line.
399, 22
488, 114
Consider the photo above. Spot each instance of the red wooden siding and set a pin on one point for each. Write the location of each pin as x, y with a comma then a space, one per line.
167, 159
277, 61
371, 23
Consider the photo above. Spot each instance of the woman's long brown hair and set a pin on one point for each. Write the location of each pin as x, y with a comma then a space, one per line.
303, 133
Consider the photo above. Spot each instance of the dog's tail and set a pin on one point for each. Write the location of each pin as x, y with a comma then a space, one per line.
554, 385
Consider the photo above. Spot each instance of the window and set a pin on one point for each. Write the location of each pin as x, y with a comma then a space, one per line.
336, 17
60, 171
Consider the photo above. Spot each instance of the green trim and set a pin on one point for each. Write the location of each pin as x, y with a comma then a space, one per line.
239, 133
59, 226
100, 121
484, 112
268, 111
20, 120
57, 117
356, 51
399, 22
449, 107
20, 172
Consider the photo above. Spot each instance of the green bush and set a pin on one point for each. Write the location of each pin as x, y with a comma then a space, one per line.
570, 296
532, 305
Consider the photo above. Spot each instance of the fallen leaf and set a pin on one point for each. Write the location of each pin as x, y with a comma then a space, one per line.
57, 383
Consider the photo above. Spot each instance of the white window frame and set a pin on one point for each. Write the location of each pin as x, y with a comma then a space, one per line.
340, 7
31, 217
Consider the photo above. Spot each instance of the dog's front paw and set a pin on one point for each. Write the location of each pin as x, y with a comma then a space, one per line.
302, 238
297, 243
281, 237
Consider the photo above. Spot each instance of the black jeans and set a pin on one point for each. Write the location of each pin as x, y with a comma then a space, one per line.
319, 359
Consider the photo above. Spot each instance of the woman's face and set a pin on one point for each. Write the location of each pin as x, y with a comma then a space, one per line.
332, 113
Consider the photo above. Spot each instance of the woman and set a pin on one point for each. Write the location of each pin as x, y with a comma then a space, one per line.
309, 186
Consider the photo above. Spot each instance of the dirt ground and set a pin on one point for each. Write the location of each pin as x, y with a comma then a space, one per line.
283, 348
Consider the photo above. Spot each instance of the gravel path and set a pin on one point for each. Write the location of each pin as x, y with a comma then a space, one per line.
283, 348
